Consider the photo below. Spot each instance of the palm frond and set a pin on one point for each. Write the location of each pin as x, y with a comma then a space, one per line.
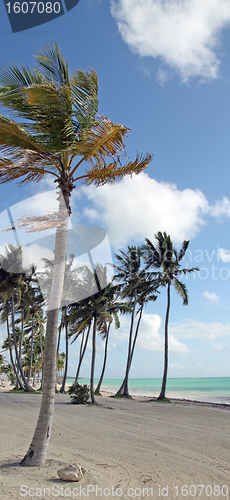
13, 138
52, 64
52, 113
12, 81
183, 249
151, 255
84, 88
182, 290
41, 222
100, 175
32, 166
106, 139
188, 270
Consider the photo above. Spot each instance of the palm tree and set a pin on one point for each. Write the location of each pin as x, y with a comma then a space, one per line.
70, 291
165, 257
114, 307
12, 285
137, 288
60, 132
34, 323
93, 310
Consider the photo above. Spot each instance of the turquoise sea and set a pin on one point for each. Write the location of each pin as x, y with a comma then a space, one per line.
199, 389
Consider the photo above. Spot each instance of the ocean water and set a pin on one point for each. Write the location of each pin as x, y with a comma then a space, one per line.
214, 390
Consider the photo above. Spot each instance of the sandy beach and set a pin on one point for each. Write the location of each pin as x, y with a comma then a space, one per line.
132, 448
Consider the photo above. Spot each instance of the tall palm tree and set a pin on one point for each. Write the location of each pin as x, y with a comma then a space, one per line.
60, 132
137, 288
167, 259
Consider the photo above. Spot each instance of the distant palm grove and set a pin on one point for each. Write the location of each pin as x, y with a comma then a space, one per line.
139, 275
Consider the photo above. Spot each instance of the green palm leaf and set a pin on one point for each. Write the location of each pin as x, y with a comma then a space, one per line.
52, 64
13, 138
182, 290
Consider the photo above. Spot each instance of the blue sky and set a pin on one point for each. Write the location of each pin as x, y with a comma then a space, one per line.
163, 70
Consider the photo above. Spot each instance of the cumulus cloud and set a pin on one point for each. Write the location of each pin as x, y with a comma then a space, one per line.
184, 34
192, 329
136, 208
150, 336
211, 296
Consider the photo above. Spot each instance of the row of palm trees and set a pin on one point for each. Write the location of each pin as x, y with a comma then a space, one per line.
138, 276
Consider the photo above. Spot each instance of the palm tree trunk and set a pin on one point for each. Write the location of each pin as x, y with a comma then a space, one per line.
11, 356
66, 357
104, 363
163, 387
31, 350
27, 386
93, 359
82, 355
59, 339
42, 359
126, 390
21, 337
58, 347
37, 451
120, 391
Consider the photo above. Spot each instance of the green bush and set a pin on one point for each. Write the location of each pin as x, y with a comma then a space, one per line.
79, 394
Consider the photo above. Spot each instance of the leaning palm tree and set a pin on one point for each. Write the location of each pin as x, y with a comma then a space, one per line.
59, 133
166, 258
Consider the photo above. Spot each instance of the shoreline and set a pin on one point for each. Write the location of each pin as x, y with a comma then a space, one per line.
140, 398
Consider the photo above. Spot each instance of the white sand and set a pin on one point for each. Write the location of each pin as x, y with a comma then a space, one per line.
130, 446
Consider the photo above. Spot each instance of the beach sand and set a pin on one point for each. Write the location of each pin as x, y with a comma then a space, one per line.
132, 449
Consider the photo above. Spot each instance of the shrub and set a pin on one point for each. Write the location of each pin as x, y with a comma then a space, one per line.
79, 393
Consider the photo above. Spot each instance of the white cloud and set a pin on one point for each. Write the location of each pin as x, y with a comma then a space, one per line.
223, 255
211, 296
221, 207
39, 204
136, 208
34, 254
150, 335
184, 34
192, 329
